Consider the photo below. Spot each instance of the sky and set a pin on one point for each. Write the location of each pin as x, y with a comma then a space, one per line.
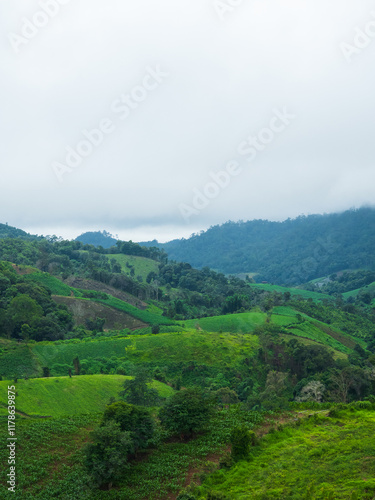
157, 119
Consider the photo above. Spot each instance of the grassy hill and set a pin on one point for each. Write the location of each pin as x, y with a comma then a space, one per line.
116, 318
57, 396
141, 265
295, 292
285, 317
322, 458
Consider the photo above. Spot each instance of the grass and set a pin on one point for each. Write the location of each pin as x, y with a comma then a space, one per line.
306, 294
17, 360
234, 323
323, 458
59, 396
56, 286
142, 265
145, 316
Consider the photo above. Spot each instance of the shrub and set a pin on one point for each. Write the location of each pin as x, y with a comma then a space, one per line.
186, 412
241, 439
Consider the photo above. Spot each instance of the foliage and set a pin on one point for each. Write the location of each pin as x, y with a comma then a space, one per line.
137, 392
107, 455
290, 252
133, 419
186, 412
242, 439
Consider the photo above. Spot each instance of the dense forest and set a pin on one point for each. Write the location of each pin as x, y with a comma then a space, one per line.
291, 252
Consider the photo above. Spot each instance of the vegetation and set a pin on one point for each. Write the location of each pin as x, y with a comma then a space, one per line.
210, 380
291, 252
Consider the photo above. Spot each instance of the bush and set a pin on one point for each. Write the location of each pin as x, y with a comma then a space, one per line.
107, 455
133, 419
186, 412
242, 440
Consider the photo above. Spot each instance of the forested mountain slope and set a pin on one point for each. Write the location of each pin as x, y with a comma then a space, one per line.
290, 252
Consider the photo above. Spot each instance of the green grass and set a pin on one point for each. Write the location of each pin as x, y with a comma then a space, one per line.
142, 265
353, 293
50, 353
59, 396
56, 286
243, 322
170, 350
316, 296
17, 360
323, 458
145, 316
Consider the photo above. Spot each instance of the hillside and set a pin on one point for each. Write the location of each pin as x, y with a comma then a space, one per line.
290, 252
7, 231
88, 332
327, 456
97, 238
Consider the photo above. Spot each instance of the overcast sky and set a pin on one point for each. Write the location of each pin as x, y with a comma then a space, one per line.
159, 118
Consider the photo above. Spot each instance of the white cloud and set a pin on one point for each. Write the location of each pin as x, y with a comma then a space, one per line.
225, 79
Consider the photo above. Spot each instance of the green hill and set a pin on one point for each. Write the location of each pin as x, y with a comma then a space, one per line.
321, 457
56, 396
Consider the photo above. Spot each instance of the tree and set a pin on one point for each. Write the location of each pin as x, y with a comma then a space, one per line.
106, 457
24, 310
241, 439
137, 392
186, 412
77, 365
133, 419
313, 391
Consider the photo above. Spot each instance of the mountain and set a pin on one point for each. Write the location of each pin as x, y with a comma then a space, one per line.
12, 232
290, 252
97, 238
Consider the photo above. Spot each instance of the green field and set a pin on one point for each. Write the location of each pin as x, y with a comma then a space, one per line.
57, 396
234, 323
18, 360
354, 293
322, 458
145, 316
56, 286
282, 316
316, 296
142, 265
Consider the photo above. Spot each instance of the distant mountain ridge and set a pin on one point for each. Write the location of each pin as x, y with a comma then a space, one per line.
7, 231
97, 238
290, 252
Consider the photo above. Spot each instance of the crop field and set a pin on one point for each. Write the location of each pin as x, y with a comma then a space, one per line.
145, 316
51, 459
17, 360
318, 458
242, 322
56, 286
59, 396
234, 323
